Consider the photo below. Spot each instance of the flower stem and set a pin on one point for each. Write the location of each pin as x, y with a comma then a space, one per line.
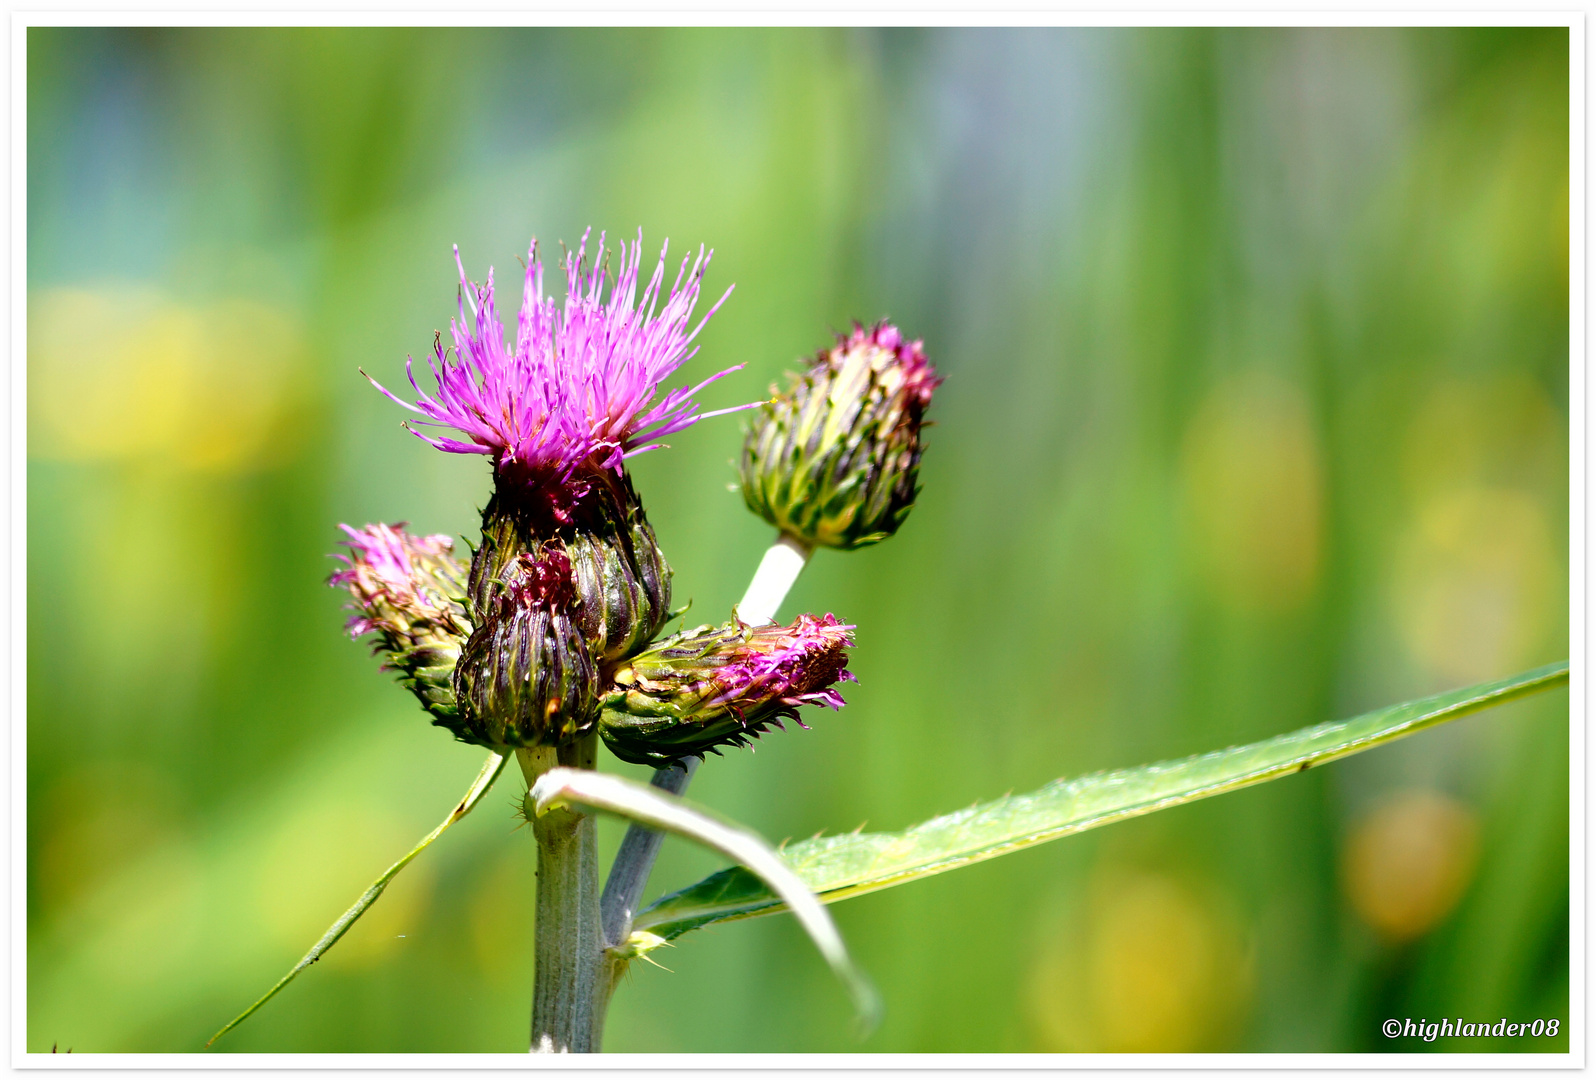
639, 848
783, 562
571, 984
574, 974
780, 567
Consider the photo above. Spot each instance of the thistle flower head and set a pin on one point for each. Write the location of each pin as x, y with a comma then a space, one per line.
403, 585
720, 686
785, 665
578, 388
407, 590
835, 461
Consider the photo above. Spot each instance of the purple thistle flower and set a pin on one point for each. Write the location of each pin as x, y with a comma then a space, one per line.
721, 686
578, 389
787, 666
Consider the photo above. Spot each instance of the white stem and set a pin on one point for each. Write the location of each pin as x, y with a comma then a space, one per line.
780, 567
623, 889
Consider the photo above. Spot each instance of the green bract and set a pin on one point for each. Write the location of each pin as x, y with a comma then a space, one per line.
558, 593
624, 584
526, 676
621, 579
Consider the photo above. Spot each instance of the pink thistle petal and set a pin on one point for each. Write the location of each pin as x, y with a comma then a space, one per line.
794, 665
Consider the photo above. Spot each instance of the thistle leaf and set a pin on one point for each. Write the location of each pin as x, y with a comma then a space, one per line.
837, 867
479, 787
670, 813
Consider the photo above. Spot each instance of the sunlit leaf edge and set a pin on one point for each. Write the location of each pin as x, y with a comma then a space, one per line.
838, 867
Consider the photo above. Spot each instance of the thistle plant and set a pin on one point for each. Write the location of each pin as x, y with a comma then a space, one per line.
554, 636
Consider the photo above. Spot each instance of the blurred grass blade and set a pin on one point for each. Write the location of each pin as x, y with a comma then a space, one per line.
479, 787
670, 813
837, 867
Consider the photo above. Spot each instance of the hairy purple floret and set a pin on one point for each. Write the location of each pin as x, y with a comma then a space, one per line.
702, 689
788, 665
579, 385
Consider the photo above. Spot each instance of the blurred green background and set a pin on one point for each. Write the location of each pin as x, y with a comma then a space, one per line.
1256, 415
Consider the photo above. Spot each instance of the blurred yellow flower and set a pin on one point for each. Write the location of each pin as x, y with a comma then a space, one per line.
1254, 493
1497, 431
126, 372
1407, 863
1473, 585
1149, 964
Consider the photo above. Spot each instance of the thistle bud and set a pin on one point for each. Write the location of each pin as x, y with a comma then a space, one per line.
721, 686
621, 579
407, 590
526, 676
835, 460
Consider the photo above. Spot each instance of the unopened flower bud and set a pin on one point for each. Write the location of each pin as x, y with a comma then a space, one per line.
835, 460
621, 579
526, 676
721, 686
408, 591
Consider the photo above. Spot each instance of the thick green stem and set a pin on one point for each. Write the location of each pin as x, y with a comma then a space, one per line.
571, 982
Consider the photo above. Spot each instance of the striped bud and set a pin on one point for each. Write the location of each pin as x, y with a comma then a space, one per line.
835, 461
621, 579
526, 676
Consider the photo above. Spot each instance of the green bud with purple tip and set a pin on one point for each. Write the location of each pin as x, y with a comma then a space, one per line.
718, 686
408, 591
526, 676
621, 579
835, 461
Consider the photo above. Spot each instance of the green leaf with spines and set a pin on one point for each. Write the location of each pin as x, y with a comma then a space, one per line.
837, 867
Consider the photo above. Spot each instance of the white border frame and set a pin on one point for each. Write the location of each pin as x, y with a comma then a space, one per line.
830, 13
